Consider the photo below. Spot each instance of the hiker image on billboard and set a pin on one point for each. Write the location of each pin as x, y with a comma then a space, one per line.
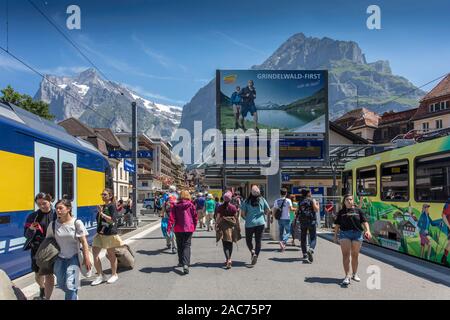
290, 101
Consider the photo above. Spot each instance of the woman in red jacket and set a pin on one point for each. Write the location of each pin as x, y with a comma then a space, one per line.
183, 219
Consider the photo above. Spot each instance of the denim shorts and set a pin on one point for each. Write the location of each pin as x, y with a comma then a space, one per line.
351, 235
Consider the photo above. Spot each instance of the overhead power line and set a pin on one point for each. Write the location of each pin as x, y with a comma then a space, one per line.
72, 42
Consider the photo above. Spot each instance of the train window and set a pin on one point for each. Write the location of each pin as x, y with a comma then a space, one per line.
109, 178
47, 176
67, 181
366, 181
432, 178
347, 182
395, 181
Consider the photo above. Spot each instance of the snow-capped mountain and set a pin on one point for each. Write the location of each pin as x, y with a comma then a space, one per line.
268, 105
101, 103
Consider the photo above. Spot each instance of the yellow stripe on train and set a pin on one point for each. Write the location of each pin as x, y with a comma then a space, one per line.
90, 186
17, 182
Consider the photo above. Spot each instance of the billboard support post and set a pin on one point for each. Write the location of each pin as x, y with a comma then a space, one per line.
134, 155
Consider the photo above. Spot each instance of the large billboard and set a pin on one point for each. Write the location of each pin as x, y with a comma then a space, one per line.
295, 102
292, 101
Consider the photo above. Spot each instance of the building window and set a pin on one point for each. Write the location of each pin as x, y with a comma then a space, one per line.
425, 126
439, 124
385, 134
366, 181
47, 176
145, 184
395, 181
67, 181
433, 178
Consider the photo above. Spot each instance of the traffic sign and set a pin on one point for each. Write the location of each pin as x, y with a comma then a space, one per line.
129, 166
285, 177
120, 154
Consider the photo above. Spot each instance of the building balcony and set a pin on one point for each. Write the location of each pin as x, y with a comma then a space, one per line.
146, 176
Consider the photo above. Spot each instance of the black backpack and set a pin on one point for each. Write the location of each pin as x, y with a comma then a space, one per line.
279, 210
305, 212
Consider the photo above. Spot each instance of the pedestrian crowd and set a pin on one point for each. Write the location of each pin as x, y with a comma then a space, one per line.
59, 247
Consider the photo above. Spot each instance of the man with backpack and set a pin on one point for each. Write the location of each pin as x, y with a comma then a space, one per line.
200, 208
306, 216
280, 210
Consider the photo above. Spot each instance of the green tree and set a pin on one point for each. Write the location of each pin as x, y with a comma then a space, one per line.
25, 101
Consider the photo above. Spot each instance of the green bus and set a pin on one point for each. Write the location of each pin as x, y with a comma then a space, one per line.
405, 193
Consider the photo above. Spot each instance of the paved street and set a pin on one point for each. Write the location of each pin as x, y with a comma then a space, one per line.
276, 276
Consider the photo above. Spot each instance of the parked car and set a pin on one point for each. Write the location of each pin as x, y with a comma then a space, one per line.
149, 203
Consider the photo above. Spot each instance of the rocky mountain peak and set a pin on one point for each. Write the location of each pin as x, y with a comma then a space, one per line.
301, 52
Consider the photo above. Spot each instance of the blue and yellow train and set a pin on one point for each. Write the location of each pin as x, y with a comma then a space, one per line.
39, 156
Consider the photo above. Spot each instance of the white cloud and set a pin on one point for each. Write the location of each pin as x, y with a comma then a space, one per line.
160, 58
151, 95
11, 65
119, 65
63, 71
239, 43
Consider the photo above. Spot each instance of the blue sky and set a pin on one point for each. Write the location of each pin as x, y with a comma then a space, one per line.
166, 50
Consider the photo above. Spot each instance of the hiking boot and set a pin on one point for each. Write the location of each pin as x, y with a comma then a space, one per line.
186, 269
356, 278
346, 281
310, 255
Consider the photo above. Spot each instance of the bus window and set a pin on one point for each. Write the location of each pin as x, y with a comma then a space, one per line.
347, 182
432, 178
395, 181
366, 181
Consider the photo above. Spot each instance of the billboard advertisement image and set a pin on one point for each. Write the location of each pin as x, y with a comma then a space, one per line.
292, 101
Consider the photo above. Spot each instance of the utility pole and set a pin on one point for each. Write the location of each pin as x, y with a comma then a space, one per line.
134, 157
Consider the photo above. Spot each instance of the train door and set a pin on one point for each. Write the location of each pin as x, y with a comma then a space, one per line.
68, 178
46, 171
55, 173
